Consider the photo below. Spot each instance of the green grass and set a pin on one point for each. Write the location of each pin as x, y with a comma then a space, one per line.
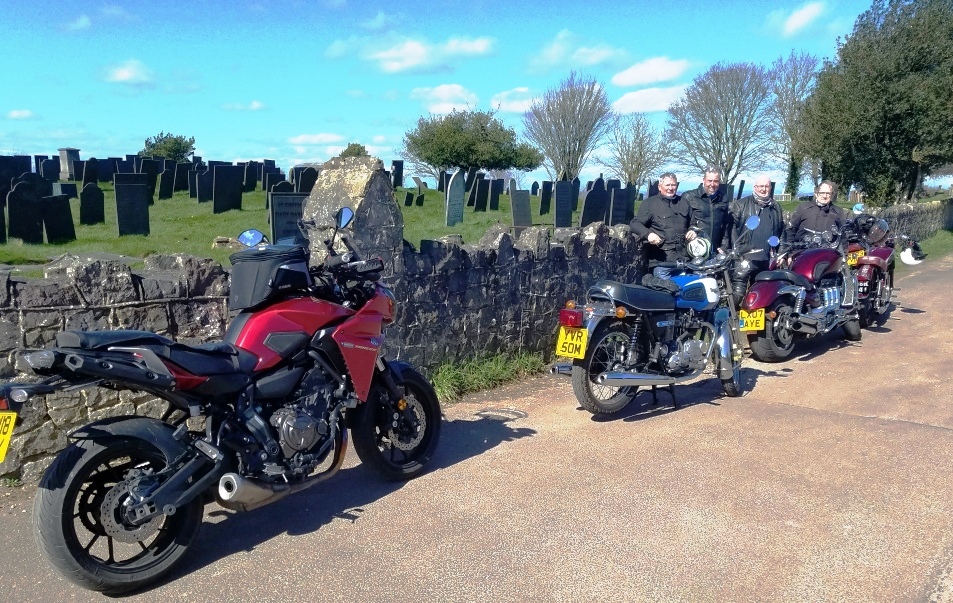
454, 380
10, 482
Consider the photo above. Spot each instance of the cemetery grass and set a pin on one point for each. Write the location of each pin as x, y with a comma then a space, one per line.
453, 380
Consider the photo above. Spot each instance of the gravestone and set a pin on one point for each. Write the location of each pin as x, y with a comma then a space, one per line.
545, 197
483, 191
286, 210
150, 167
266, 163
37, 161
397, 172
442, 182
612, 183
772, 188
250, 178
534, 189
419, 201
79, 169
563, 193
420, 185
181, 178
193, 184
167, 164
481, 194
42, 187
620, 206
595, 204
26, 215
408, 199
283, 187
137, 163
67, 156
295, 174
456, 194
272, 178
91, 204
496, 189
741, 188
90, 171
66, 188
306, 179
653, 189
8, 171
58, 218
166, 182
107, 168
575, 193
50, 169
227, 188
203, 186
520, 210
471, 176
132, 209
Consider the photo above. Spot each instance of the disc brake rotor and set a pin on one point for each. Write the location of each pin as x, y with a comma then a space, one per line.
111, 512
406, 435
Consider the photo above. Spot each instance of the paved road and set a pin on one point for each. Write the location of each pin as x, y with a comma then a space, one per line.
829, 481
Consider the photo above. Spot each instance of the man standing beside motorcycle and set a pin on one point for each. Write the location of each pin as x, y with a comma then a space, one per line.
666, 222
771, 223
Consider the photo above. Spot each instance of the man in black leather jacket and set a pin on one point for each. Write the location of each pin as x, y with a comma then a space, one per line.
818, 215
708, 199
665, 222
771, 223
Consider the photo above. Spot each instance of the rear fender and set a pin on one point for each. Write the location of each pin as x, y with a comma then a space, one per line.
871, 260
761, 294
151, 430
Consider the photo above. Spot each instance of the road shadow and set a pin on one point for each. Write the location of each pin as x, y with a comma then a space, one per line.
344, 496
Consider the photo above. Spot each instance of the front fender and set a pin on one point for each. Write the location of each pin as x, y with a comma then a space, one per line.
761, 294
150, 430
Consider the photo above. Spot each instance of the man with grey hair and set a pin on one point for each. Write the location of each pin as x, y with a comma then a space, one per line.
666, 222
708, 199
753, 243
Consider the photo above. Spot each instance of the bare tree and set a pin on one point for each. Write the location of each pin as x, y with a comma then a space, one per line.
792, 80
418, 166
567, 123
723, 120
636, 149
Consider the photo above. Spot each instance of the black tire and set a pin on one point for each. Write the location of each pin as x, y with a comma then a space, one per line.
732, 386
865, 313
103, 553
880, 292
852, 330
604, 352
398, 452
775, 344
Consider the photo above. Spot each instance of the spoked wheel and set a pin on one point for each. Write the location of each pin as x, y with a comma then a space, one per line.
732, 386
80, 523
607, 350
397, 437
776, 342
878, 300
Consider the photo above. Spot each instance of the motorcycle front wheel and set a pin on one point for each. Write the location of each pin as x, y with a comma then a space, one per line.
607, 350
776, 342
396, 438
732, 386
80, 526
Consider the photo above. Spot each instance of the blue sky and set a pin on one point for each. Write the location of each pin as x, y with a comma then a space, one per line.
297, 80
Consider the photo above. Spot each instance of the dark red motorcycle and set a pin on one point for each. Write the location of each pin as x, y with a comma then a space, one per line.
250, 419
809, 291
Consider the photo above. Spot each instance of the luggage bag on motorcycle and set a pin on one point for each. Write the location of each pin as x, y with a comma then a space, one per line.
260, 273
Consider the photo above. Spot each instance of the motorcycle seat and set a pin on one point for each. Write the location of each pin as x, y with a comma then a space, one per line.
96, 340
785, 275
636, 296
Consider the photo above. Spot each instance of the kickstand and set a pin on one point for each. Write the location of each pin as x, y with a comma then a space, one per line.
671, 391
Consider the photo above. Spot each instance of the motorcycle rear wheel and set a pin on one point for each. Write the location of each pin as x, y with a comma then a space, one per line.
101, 551
776, 343
873, 308
398, 443
606, 351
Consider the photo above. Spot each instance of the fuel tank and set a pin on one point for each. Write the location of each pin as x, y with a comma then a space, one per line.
814, 264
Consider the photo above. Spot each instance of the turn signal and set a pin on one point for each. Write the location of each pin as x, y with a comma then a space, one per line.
570, 317
570, 305
621, 312
771, 315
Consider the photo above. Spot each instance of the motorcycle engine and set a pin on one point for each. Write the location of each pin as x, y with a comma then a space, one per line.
685, 355
303, 423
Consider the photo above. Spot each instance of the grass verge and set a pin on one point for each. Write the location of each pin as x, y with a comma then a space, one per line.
454, 380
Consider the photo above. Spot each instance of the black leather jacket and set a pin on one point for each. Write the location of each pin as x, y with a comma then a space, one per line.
714, 212
810, 216
741, 239
669, 219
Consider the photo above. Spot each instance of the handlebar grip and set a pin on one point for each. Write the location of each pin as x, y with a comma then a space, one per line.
333, 261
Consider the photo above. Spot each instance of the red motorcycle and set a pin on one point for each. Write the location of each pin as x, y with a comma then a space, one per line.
808, 291
870, 255
250, 419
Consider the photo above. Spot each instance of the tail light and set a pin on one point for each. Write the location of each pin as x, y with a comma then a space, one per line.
570, 316
184, 380
3, 404
751, 300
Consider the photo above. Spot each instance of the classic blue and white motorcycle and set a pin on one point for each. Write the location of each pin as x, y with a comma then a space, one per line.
665, 331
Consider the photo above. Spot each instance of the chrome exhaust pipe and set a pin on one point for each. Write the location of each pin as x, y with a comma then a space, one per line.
562, 368
805, 324
616, 379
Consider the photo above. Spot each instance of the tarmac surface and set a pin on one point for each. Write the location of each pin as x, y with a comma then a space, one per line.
830, 480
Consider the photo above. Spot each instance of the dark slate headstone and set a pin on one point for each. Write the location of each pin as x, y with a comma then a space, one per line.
283, 187
575, 194
534, 189
286, 210
91, 204
193, 184
8, 171
131, 157
653, 189
50, 169
150, 167
181, 178
595, 204
203, 186
305, 180
563, 192
227, 188
520, 210
41, 186
442, 180
79, 169
166, 184
741, 187
620, 206
58, 218
250, 177
196, 160
773, 183
272, 178
408, 199
26, 215
66, 188
471, 176
137, 164
397, 172
419, 201
140, 179
496, 189
132, 209
613, 183
37, 161
24, 164
482, 196
545, 197
91, 171
167, 164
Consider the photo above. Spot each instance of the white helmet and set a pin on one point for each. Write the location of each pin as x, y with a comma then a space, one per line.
699, 248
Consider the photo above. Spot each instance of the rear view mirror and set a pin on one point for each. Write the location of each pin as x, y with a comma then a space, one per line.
343, 217
752, 222
774, 241
252, 237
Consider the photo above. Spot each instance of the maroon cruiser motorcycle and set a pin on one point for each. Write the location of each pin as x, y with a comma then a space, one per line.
809, 291
270, 407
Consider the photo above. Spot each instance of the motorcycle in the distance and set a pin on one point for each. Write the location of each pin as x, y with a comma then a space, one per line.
870, 255
263, 414
808, 291
660, 333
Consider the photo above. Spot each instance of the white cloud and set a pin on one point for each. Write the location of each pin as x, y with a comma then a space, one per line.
648, 100
252, 106
379, 139
467, 46
801, 18
421, 55
333, 151
130, 73
407, 55
651, 71
379, 22
517, 100
20, 114
81, 22
445, 98
308, 139
568, 49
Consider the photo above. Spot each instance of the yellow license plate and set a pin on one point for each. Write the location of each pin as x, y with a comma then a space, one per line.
571, 342
7, 421
751, 321
853, 256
